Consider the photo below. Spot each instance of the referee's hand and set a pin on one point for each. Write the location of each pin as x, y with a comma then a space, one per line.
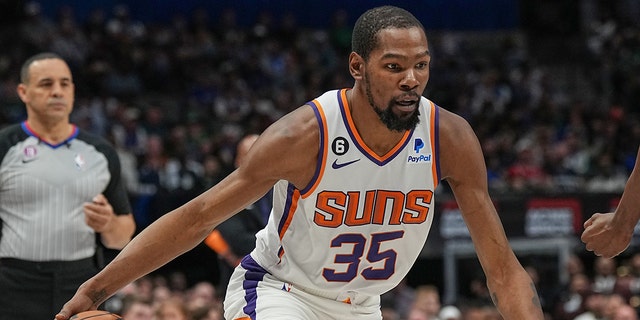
99, 214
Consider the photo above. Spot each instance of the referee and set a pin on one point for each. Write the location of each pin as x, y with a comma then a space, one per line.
59, 188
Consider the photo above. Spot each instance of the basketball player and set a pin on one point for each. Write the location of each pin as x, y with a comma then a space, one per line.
608, 234
355, 172
59, 187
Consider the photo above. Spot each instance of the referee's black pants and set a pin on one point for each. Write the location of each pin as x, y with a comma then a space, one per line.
37, 290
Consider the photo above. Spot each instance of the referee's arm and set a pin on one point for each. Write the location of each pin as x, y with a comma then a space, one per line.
121, 233
115, 230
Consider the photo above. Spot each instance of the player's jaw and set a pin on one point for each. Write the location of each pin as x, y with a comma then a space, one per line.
401, 112
399, 117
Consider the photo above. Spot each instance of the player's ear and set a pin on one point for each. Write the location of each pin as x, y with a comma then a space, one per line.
356, 63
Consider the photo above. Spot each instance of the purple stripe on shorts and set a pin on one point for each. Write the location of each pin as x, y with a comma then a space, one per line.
253, 275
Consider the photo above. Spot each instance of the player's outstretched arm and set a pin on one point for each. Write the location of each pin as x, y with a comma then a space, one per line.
462, 165
608, 234
284, 151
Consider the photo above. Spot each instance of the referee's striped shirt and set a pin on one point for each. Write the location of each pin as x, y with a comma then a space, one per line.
43, 188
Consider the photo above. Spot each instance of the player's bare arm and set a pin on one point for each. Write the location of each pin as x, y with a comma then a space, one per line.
463, 166
286, 150
609, 234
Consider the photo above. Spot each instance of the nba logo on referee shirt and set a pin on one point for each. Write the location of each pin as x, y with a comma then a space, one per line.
79, 160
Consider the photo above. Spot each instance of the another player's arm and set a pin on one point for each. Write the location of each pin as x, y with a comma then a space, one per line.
462, 165
286, 150
608, 234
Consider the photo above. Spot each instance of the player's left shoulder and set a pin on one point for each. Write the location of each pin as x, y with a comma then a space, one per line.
459, 148
452, 125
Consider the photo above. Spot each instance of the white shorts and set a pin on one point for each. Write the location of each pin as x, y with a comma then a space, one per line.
255, 294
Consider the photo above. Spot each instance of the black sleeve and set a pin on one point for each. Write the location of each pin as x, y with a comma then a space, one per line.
9, 137
115, 191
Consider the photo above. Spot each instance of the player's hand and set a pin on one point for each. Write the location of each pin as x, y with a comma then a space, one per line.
79, 303
99, 214
601, 237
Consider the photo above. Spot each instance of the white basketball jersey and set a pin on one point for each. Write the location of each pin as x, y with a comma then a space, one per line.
363, 220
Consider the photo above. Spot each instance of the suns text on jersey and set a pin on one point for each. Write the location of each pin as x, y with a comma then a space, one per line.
335, 208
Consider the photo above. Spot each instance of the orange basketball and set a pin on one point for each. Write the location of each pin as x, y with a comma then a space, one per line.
96, 315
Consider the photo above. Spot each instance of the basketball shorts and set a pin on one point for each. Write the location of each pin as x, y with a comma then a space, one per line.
255, 294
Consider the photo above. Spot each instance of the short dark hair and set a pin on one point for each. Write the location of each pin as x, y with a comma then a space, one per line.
369, 24
24, 71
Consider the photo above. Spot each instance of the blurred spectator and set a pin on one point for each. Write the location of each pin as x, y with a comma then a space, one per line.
571, 302
612, 303
594, 304
478, 291
389, 312
135, 308
605, 277
70, 41
607, 176
212, 170
172, 309
128, 133
400, 298
202, 294
419, 314
527, 173
37, 30
625, 312
426, 300
209, 312
574, 265
155, 121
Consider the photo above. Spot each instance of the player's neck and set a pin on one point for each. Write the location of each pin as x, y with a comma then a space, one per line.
372, 131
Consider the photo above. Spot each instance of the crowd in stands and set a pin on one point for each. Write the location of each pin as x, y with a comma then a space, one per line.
175, 98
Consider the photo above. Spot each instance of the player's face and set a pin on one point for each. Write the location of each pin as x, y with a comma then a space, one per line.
49, 93
396, 75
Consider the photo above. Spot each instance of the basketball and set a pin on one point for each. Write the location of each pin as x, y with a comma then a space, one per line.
96, 315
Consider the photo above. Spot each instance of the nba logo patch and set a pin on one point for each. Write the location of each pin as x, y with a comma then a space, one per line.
286, 287
79, 160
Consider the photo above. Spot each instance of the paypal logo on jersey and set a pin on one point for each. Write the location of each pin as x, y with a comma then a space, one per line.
418, 144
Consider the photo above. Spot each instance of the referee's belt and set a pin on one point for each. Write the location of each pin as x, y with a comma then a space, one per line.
81, 264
